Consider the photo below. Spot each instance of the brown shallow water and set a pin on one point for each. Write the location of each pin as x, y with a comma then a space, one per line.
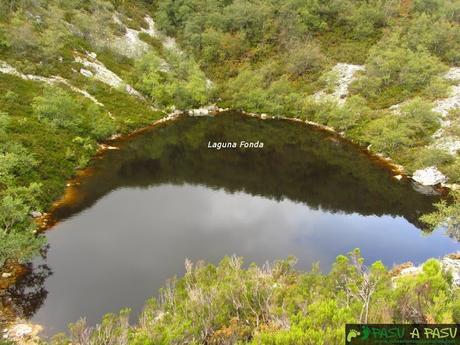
138, 212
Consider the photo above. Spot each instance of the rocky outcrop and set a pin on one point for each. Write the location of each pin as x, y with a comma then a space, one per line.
129, 44
23, 333
8, 69
443, 106
346, 75
429, 176
98, 71
132, 46
450, 263
443, 141
204, 111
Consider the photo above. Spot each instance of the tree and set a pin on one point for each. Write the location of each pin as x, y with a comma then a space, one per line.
446, 214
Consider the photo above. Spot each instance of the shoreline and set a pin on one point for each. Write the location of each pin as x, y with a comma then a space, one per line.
46, 221
398, 171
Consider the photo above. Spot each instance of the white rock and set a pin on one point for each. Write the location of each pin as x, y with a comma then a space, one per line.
199, 112
447, 143
346, 75
100, 72
453, 74
411, 270
86, 72
20, 331
443, 106
453, 266
132, 91
429, 176
7, 69
7, 275
104, 75
36, 214
92, 55
151, 27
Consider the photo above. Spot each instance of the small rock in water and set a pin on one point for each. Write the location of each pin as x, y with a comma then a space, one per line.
429, 176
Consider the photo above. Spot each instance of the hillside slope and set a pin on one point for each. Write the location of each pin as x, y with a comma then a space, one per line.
73, 74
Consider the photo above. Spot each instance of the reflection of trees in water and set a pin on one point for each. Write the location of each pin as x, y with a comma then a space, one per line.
27, 295
297, 163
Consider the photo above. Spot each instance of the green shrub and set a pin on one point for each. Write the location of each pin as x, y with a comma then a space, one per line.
175, 82
306, 58
276, 304
446, 214
392, 65
58, 108
412, 127
426, 157
452, 170
437, 88
350, 115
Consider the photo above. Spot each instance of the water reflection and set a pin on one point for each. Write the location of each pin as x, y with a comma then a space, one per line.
23, 299
297, 163
164, 197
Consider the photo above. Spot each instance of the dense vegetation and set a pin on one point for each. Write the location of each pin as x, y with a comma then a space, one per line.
275, 304
48, 129
273, 56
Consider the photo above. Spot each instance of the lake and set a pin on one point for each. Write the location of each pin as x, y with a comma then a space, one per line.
129, 222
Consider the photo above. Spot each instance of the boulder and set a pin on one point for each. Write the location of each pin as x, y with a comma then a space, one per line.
199, 112
36, 214
429, 176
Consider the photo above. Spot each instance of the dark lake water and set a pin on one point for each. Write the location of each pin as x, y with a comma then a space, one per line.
165, 196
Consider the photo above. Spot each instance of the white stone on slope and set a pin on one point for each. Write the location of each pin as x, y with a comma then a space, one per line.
346, 75
8, 69
429, 176
443, 106
104, 75
453, 266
